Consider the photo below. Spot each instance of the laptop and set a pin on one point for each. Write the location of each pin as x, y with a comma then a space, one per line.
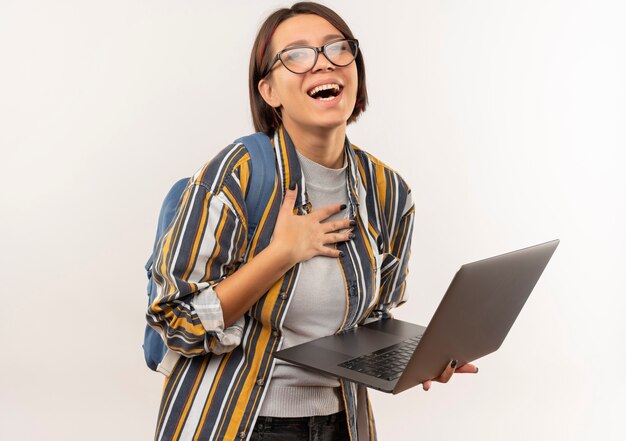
472, 320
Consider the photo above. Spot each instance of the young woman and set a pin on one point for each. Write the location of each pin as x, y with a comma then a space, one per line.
331, 251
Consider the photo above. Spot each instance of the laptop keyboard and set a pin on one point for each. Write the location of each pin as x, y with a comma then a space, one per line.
387, 363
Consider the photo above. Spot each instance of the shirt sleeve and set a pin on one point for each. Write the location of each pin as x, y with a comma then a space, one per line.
200, 248
395, 266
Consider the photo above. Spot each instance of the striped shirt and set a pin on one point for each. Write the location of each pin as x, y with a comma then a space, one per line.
215, 390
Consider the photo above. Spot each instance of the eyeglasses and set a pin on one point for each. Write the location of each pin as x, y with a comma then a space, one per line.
302, 59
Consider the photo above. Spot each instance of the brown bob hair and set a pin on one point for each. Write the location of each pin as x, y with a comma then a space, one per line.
264, 116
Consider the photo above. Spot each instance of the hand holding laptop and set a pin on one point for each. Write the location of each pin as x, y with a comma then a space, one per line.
451, 369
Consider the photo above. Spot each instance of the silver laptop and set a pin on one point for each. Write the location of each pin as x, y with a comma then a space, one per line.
472, 320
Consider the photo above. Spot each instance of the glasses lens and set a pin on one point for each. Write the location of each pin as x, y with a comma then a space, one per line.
341, 53
299, 59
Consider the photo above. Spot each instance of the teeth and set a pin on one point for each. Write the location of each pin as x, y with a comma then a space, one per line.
324, 87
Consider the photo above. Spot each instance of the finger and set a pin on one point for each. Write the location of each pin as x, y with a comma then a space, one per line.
337, 225
332, 238
329, 252
289, 202
426, 385
447, 373
468, 368
327, 211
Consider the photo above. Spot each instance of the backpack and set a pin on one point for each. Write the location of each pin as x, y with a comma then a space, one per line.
262, 176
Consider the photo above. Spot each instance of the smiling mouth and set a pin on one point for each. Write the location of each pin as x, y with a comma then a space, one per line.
325, 92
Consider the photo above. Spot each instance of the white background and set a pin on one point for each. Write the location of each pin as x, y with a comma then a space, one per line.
505, 117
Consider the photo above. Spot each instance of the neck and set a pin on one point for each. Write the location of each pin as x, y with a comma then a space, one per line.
324, 146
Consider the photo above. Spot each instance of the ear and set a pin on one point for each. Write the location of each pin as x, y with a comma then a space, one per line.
268, 93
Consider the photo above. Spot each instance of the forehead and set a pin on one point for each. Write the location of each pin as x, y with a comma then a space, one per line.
304, 29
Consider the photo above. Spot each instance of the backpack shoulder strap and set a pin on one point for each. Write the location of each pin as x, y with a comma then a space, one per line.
262, 177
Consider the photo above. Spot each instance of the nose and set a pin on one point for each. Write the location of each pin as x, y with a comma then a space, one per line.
322, 63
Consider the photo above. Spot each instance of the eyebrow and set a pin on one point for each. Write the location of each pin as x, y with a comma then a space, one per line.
305, 42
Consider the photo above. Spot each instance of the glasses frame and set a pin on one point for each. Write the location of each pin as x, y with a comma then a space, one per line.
318, 50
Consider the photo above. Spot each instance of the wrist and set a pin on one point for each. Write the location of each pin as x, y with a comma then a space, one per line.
282, 255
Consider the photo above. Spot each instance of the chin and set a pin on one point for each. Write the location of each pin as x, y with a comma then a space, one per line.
330, 121
329, 125
321, 120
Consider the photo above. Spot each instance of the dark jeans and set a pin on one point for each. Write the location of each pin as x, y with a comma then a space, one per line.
317, 428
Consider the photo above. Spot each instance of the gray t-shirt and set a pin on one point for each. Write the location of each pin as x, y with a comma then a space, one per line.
317, 309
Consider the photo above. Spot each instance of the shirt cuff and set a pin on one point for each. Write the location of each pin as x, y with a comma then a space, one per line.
209, 310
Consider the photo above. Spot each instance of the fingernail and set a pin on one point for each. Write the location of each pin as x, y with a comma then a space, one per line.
453, 364
343, 207
352, 223
341, 254
351, 236
476, 370
292, 186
